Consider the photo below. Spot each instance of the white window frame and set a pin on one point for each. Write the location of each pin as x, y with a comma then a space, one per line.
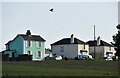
27, 44
110, 48
38, 44
37, 54
84, 46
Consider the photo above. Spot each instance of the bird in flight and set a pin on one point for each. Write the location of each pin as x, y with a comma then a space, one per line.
51, 10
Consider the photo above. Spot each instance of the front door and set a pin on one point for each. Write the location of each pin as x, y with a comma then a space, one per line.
13, 54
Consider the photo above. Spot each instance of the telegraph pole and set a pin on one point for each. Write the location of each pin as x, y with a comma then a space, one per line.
94, 43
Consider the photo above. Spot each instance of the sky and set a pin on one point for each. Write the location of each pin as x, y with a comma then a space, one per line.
68, 18
119, 12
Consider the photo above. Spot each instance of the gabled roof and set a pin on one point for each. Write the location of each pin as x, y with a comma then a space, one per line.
102, 43
31, 37
28, 37
67, 41
8, 42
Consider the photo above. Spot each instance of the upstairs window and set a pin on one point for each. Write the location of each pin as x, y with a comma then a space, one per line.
84, 47
62, 49
110, 48
28, 43
38, 44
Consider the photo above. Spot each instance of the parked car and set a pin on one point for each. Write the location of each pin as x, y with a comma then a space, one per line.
108, 58
84, 57
58, 58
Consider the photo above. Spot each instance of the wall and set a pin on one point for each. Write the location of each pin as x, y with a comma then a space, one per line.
81, 47
107, 49
70, 50
50, 55
99, 51
34, 49
17, 45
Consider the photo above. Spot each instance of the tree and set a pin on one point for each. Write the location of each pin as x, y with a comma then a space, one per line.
116, 39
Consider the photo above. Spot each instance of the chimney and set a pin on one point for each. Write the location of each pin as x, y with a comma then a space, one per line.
98, 41
72, 39
28, 33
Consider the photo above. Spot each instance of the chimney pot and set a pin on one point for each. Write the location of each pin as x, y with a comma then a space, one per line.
72, 39
98, 41
28, 32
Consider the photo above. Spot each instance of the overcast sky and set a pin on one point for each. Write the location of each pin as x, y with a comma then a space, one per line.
68, 18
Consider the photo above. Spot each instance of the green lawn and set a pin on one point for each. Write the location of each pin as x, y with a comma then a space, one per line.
61, 68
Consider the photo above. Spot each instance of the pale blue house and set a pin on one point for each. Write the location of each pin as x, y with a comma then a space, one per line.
26, 44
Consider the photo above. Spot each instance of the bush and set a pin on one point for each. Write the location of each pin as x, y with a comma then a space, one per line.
66, 58
76, 58
114, 58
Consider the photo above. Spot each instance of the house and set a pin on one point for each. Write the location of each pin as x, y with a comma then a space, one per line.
28, 44
48, 52
100, 48
69, 47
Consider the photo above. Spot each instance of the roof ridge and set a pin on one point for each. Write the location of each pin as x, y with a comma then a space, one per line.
67, 41
102, 43
31, 35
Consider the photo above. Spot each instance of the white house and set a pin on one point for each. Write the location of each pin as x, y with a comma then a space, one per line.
100, 48
48, 53
70, 47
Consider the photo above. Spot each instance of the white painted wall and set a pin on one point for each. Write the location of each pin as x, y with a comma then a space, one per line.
70, 50
81, 47
107, 49
101, 50
50, 55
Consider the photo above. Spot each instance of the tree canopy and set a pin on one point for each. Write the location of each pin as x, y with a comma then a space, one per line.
116, 39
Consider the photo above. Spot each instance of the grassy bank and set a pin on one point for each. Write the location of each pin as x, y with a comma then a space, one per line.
61, 68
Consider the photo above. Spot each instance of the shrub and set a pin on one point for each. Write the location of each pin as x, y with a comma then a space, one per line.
76, 58
98, 59
66, 58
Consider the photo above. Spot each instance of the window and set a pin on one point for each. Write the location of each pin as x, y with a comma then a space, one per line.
38, 54
28, 43
84, 46
62, 49
28, 52
110, 48
38, 44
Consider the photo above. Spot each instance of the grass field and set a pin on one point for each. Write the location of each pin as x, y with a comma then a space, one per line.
61, 68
